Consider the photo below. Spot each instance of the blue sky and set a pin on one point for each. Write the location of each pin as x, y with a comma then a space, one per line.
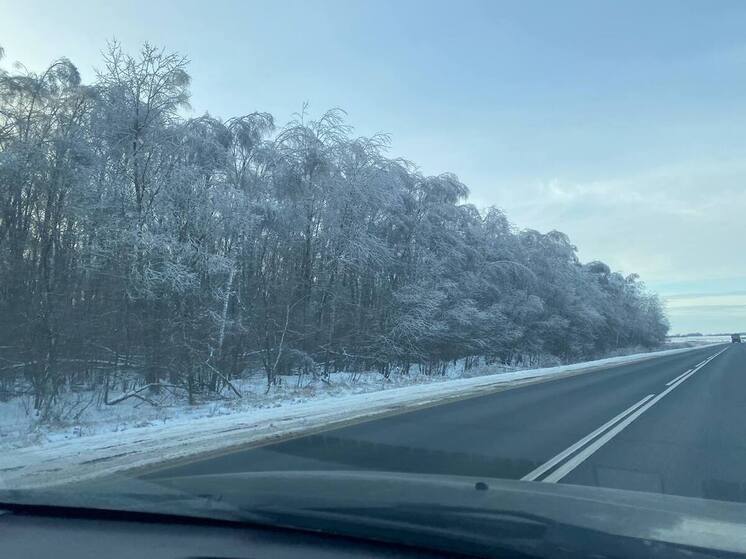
620, 123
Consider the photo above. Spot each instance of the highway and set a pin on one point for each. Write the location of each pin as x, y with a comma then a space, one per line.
673, 424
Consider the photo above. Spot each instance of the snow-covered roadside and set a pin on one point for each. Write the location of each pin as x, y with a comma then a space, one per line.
66, 460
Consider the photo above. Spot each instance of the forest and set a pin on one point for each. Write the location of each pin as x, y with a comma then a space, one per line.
187, 251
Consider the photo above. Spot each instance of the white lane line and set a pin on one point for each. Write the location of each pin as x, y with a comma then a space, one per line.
532, 475
578, 459
670, 382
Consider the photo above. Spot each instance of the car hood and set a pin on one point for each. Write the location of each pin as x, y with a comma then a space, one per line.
485, 517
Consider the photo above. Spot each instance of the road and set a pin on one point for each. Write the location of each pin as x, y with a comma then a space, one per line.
674, 424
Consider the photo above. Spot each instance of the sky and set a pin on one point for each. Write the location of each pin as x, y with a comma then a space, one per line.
622, 124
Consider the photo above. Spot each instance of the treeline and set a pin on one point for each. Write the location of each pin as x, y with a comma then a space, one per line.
189, 250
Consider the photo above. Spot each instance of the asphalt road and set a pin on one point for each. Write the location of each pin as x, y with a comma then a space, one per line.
674, 424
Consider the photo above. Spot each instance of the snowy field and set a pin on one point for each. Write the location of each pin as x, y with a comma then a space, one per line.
115, 439
704, 340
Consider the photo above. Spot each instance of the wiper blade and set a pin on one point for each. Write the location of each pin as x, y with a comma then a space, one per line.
499, 523
119, 505
519, 537
478, 532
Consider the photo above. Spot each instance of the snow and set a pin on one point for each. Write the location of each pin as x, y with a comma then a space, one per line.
114, 442
708, 339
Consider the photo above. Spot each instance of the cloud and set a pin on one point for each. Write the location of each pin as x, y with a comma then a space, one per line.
678, 223
706, 300
707, 313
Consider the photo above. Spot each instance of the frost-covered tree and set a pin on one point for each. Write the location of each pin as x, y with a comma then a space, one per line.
190, 250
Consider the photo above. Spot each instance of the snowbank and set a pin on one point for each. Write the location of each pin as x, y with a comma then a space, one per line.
67, 457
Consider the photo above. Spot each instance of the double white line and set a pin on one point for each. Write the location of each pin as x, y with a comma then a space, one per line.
570, 458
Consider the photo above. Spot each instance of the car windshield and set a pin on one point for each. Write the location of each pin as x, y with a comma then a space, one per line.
275, 254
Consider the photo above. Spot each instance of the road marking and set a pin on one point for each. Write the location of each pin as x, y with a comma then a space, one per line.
581, 457
670, 382
531, 476
606, 432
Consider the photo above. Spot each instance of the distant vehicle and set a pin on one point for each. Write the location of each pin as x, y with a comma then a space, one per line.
735, 338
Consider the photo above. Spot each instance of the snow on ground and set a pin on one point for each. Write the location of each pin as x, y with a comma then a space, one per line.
83, 413
708, 339
111, 445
